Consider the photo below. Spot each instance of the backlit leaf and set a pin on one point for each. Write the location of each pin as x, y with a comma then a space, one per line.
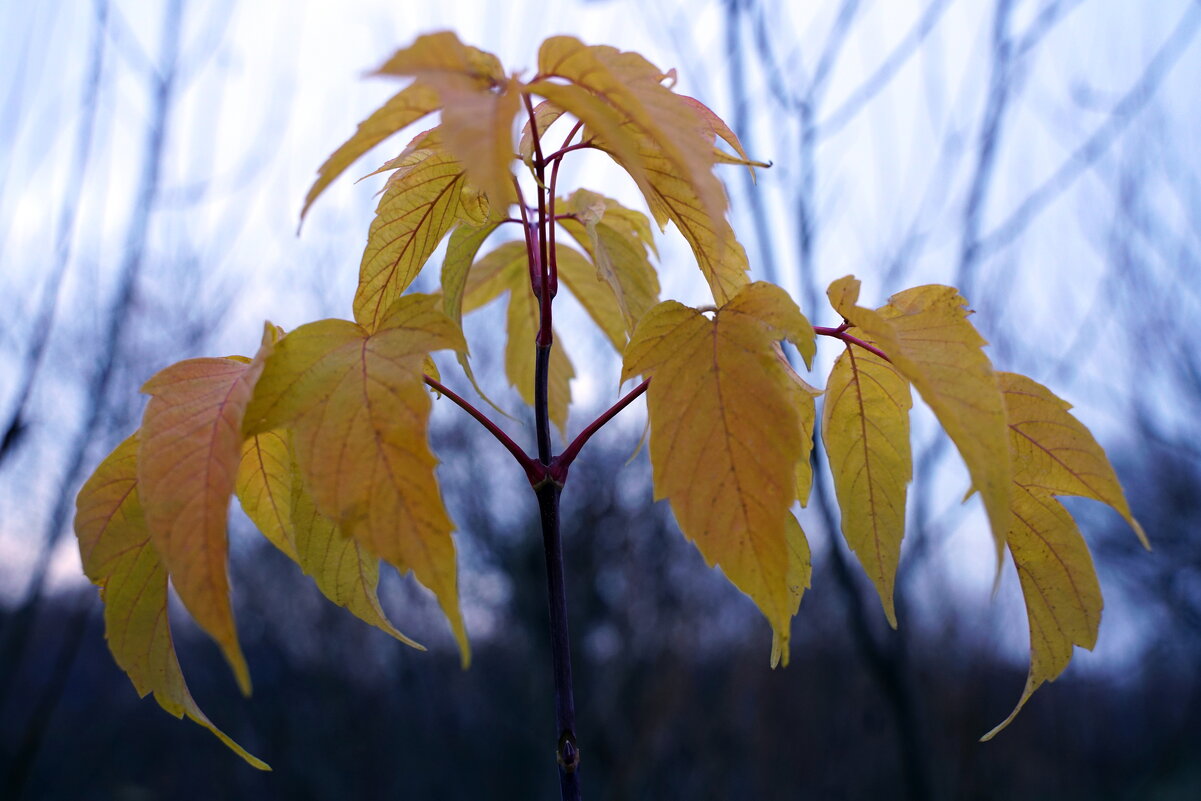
612, 237
506, 270
191, 445
341, 567
120, 558
593, 293
726, 436
925, 332
264, 488
359, 414
1053, 451
404, 108
545, 114
865, 428
461, 249
418, 207
799, 573
1054, 454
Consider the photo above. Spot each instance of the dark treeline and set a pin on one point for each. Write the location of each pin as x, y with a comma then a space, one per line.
675, 694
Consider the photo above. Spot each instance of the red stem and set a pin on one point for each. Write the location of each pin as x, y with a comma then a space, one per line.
562, 462
534, 470
841, 333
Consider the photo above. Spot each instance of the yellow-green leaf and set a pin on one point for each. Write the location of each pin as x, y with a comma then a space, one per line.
865, 428
612, 237
418, 207
545, 114
926, 334
593, 293
441, 54
264, 488
461, 249
359, 416
506, 269
1063, 598
119, 557
191, 445
726, 437
404, 108
1055, 452
799, 572
341, 567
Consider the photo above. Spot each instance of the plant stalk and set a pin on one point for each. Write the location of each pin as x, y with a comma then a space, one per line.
567, 752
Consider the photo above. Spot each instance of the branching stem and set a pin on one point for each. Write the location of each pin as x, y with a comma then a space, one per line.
562, 463
841, 333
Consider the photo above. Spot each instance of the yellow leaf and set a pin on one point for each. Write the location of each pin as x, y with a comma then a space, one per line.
477, 127
593, 293
359, 416
520, 352
191, 445
803, 395
865, 428
673, 165
506, 269
545, 114
726, 436
612, 237
1056, 452
1063, 599
441, 54
264, 488
925, 332
799, 571
406, 107
715, 127
461, 249
119, 557
341, 567
418, 207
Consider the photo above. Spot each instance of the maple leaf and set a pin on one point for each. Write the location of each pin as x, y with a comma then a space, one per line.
274, 498
359, 413
726, 436
865, 428
1054, 454
478, 107
658, 137
506, 270
926, 334
403, 109
418, 207
612, 235
461, 249
190, 447
119, 557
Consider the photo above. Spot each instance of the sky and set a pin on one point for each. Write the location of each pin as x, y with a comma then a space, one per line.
268, 89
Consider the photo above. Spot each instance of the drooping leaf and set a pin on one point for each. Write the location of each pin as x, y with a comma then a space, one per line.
799, 572
120, 558
865, 428
1063, 598
418, 207
661, 141
612, 237
190, 448
803, 397
726, 436
478, 107
406, 107
359, 413
594, 294
715, 127
545, 114
1054, 454
275, 500
264, 488
342, 568
926, 334
461, 250
506, 270
520, 357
